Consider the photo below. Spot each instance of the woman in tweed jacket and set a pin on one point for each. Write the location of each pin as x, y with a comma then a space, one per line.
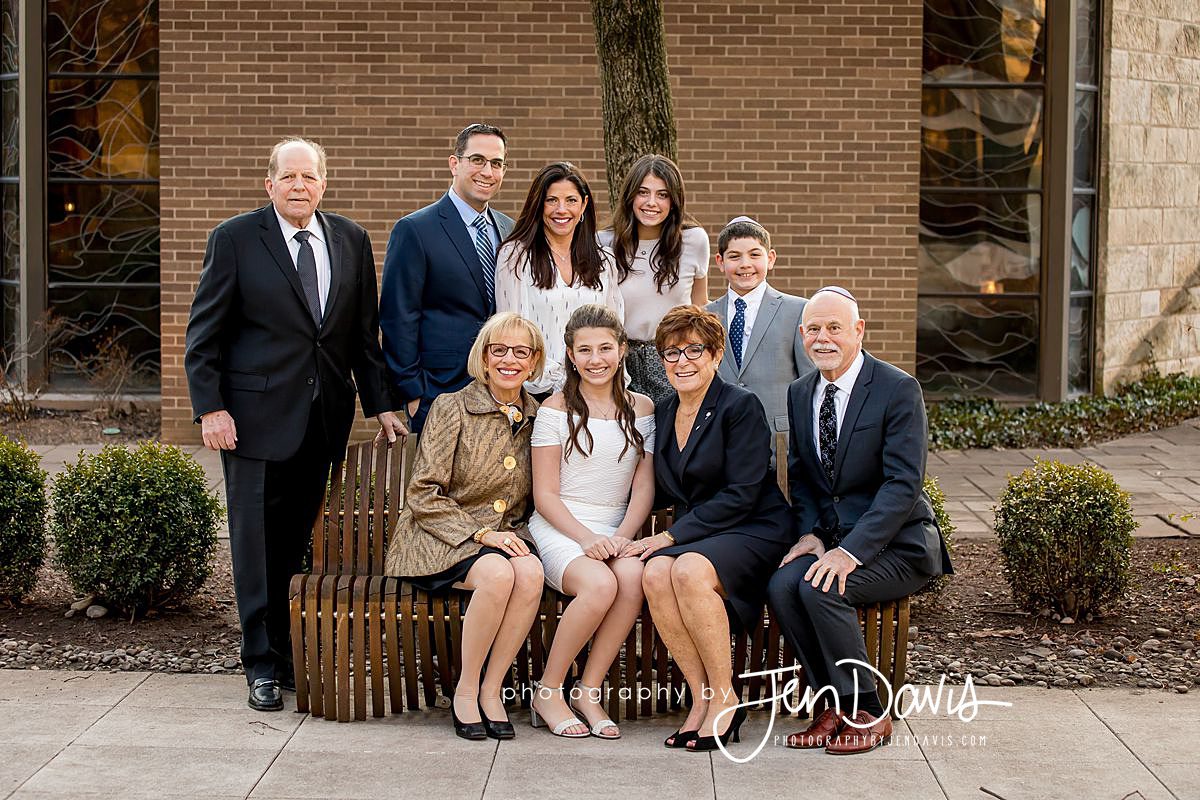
463, 524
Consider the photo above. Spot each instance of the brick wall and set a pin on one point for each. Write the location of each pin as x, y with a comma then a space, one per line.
804, 115
1150, 242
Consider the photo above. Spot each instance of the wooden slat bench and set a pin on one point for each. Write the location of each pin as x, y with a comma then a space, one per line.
361, 639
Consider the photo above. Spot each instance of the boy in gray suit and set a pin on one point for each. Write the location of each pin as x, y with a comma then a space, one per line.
764, 346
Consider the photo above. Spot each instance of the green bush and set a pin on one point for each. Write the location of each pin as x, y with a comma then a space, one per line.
22, 519
1066, 534
937, 498
137, 528
1153, 402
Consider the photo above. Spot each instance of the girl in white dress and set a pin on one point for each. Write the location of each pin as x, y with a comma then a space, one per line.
551, 265
661, 255
593, 486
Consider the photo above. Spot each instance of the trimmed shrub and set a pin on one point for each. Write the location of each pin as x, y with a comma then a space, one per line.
1066, 536
136, 528
1153, 402
937, 498
22, 519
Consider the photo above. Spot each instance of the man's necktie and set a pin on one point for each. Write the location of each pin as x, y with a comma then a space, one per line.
737, 330
487, 255
828, 431
306, 265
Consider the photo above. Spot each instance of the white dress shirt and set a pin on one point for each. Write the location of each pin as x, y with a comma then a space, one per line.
753, 299
320, 251
841, 399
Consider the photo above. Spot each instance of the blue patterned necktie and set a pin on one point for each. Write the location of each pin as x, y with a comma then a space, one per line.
487, 255
737, 330
827, 431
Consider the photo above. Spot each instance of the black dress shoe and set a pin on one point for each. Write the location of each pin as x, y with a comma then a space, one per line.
502, 729
467, 730
265, 695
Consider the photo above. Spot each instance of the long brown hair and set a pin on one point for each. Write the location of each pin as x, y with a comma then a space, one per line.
593, 315
665, 259
528, 233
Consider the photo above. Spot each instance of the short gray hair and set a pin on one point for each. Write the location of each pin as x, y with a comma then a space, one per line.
273, 162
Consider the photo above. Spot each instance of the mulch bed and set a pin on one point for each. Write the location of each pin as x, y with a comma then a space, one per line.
48, 426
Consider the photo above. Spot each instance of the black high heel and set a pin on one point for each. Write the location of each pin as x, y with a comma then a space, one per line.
704, 743
681, 738
467, 730
497, 730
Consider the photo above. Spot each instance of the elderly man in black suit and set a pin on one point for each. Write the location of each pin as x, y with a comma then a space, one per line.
856, 463
439, 275
285, 313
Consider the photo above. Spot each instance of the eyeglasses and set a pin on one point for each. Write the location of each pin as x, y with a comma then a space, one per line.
520, 351
477, 161
691, 352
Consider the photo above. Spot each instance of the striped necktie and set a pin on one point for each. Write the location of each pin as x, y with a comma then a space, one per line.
487, 255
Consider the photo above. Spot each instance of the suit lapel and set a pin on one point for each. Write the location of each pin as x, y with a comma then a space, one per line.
456, 232
728, 369
806, 441
663, 440
766, 312
272, 239
703, 422
337, 272
858, 398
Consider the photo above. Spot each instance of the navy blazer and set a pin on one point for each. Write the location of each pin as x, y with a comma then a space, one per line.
876, 499
433, 302
725, 482
254, 350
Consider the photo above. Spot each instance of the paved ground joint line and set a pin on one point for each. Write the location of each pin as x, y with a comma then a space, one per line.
58, 752
1117, 736
932, 771
275, 757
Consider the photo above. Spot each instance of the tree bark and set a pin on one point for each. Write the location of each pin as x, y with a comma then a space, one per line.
639, 117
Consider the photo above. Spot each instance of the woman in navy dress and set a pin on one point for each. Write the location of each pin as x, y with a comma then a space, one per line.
732, 526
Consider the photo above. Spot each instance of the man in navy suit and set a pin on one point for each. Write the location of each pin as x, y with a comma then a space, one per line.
439, 275
856, 463
283, 333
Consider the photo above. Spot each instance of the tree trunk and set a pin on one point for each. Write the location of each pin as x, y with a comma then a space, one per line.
638, 115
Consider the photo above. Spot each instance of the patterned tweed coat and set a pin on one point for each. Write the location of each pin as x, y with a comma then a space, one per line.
472, 471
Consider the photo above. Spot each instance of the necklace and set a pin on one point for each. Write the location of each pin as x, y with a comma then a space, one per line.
509, 410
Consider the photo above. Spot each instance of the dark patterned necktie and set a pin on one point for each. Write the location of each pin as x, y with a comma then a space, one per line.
828, 431
737, 330
306, 265
487, 255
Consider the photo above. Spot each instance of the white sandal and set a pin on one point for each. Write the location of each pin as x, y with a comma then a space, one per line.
596, 729
538, 721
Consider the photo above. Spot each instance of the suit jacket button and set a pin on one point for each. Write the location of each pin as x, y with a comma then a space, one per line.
318, 345
510, 462
837, 499
309, 381
499, 506
742, 385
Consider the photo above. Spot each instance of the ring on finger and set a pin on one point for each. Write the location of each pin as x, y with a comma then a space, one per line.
507, 541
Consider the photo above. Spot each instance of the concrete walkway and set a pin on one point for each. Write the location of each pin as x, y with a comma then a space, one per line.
104, 735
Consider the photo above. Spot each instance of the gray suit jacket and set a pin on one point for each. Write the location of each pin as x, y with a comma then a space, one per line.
775, 356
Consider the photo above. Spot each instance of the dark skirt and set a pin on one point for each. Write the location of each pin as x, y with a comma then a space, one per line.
646, 372
445, 579
744, 564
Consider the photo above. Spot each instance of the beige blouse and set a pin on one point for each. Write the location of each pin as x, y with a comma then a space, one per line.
471, 472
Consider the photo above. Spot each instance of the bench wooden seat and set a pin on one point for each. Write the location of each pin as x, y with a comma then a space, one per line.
362, 639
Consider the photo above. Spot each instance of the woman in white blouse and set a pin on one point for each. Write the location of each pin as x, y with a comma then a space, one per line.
551, 265
593, 485
661, 255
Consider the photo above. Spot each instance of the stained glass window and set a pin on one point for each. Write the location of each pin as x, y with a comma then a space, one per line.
102, 145
1080, 321
10, 241
980, 232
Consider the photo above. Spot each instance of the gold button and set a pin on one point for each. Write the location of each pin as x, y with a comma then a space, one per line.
510, 462
499, 506
517, 416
